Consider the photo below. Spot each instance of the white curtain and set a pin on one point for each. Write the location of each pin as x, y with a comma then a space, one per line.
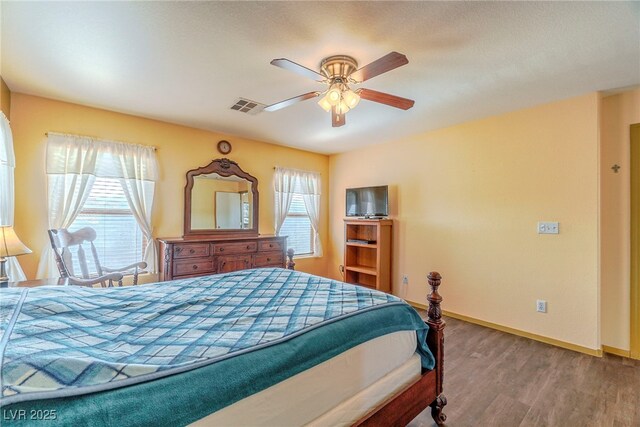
288, 182
70, 166
139, 170
73, 163
283, 184
310, 188
7, 190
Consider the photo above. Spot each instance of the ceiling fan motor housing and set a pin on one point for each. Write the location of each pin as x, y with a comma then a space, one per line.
338, 67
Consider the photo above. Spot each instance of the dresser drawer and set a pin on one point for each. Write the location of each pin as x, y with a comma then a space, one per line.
268, 259
193, 266
190, 250
227, 264
235, 248
270, 245
181, 258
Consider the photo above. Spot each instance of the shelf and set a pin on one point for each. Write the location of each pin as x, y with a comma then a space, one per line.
362, 269
367, 253
363, 245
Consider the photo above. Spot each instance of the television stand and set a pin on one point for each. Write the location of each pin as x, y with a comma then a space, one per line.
367, 252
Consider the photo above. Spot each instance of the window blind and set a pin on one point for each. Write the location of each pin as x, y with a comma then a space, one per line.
297, 226
119, 240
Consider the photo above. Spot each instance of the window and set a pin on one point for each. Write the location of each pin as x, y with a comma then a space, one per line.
297, 226
108, 186
297, 206
119, 240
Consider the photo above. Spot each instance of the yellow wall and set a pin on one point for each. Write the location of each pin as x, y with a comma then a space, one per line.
5, 98
618, 112
179, 149
466, 201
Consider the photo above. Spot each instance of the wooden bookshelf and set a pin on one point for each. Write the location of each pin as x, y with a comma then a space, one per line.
367, 253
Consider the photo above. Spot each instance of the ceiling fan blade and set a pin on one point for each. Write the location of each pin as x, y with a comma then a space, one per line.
385, 98
291, 101
386, 63
297, 68
337, 119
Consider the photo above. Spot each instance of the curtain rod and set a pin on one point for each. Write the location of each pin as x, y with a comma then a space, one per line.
297, 170
107, 140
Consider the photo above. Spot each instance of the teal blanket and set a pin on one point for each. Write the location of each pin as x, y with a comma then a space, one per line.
174, 352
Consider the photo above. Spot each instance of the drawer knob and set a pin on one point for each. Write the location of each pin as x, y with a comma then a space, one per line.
270, 245
192, 251
221, 249
195, 267
248, 246
268, 259
178, 250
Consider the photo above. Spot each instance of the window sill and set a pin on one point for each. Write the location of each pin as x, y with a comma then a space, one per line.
303, 256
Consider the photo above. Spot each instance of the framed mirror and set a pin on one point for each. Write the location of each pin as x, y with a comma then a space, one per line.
220, 199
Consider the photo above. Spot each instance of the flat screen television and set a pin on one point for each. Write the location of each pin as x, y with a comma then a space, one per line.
368, 201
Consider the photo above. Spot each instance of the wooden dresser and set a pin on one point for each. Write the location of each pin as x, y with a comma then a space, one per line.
180, 258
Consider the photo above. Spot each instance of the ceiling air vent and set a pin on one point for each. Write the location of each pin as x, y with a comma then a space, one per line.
247, 106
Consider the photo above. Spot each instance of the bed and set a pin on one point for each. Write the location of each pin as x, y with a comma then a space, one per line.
266, 346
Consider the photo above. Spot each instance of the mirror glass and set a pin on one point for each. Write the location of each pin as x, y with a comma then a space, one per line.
221, 203
220, 199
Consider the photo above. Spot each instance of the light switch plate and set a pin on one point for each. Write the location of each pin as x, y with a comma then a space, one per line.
541, 306
548, 227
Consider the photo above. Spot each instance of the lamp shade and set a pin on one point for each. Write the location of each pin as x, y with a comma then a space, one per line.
10, 245
334, 95
342, 107
350, 98
325, 104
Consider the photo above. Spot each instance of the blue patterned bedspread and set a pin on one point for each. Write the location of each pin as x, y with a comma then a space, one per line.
70, 341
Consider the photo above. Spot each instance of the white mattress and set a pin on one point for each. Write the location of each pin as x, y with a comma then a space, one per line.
336, 392
351, 410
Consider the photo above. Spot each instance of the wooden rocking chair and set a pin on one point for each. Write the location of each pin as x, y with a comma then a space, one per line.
61, 242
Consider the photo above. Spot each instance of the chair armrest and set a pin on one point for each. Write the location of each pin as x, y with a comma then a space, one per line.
94, 280
139, 265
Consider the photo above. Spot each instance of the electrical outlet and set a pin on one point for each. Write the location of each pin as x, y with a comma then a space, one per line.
541, 306
405, 279
548, 227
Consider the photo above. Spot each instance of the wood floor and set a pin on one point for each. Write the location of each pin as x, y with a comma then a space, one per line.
497, 379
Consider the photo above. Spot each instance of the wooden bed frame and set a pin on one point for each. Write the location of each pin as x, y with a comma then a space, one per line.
406, 404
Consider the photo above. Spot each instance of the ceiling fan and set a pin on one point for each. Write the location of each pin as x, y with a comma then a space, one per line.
338, 72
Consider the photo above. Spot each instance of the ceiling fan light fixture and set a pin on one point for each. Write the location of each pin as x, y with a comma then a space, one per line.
351, 98
334, 95
342, 107
325, 104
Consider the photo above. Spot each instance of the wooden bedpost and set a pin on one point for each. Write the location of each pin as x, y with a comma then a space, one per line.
290, 264
404, 406
435, 341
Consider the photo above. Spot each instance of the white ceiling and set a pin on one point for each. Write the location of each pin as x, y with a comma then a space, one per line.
187, 62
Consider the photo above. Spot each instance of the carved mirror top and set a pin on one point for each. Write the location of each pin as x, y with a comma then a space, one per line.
204, 213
